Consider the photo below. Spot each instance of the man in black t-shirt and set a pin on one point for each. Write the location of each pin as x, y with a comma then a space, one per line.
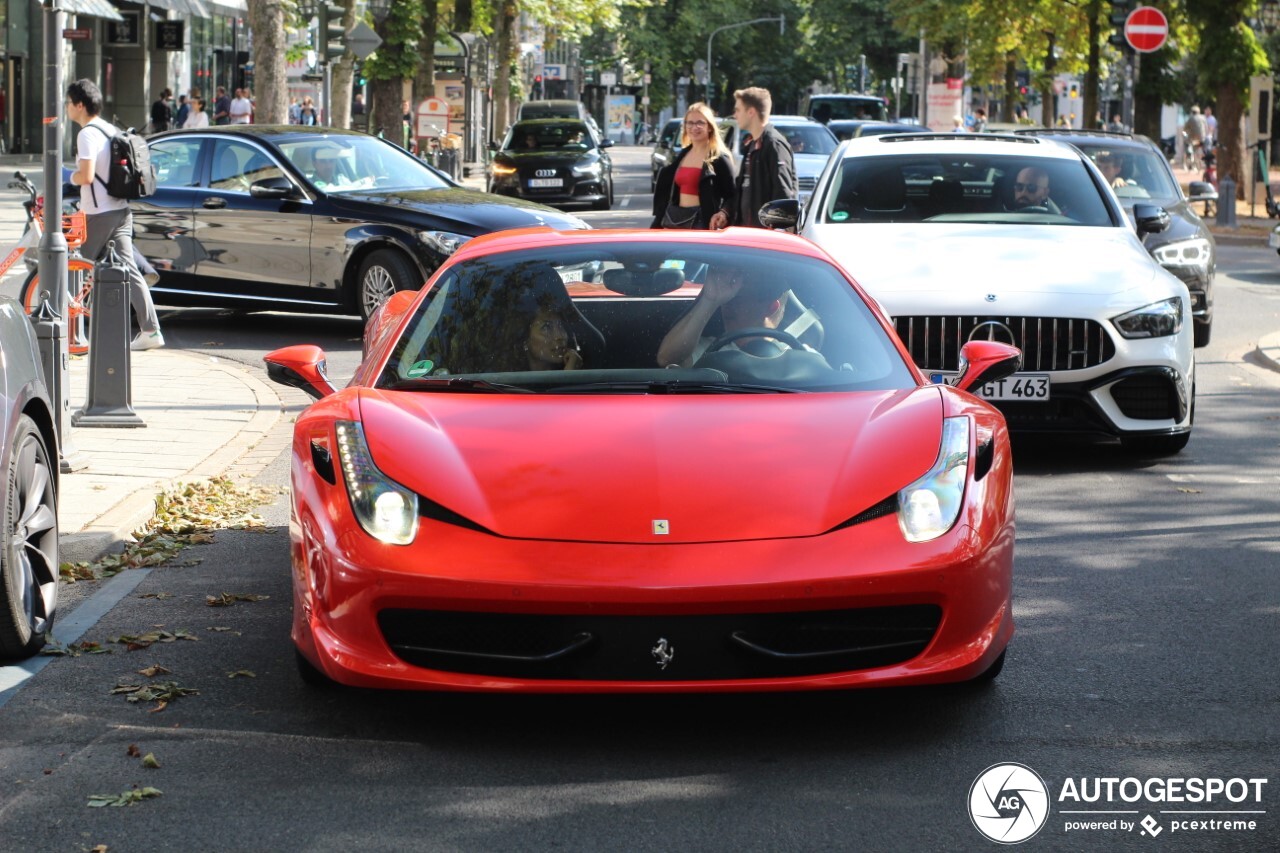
161, 112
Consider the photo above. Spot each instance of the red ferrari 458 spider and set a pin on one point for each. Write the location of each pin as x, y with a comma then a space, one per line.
647, 461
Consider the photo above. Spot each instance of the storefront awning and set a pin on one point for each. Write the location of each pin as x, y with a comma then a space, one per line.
95, 8
194, 8
230, 8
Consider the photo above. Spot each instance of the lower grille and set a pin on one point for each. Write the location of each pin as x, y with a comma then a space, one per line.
1047, 343
1149, 397
618, 648
806, 184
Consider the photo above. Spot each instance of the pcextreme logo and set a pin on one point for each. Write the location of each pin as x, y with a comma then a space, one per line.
1009, 803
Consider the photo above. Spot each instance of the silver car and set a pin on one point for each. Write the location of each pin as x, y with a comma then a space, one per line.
811, 145
29, 456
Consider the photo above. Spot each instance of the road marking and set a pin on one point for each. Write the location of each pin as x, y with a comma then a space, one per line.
71, 629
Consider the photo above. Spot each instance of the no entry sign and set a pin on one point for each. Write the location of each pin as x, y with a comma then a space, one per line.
1146, 29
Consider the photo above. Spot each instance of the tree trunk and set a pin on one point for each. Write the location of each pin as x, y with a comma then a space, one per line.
504, 34
424, 82
266, 19
342, 72
463, 12
1046, 89
1093, 117
1010, 88
1147, 102
1231, 150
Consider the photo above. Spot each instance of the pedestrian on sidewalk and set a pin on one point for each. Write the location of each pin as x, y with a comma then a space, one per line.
1210, 129
184, 109
197, 117
107, 218
161, 112
241, 108
222, 107
1195, 128
768, 166
697, 186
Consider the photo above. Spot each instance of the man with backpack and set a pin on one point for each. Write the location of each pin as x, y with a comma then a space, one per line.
107, 216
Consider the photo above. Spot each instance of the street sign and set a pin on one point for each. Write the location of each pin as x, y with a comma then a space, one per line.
608, 78
1146, 29
362, 40
77, 35
552, 72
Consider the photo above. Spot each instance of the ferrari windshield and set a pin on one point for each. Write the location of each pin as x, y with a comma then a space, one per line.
929, 187
644, 317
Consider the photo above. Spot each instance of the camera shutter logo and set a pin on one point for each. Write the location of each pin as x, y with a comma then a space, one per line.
1008, 803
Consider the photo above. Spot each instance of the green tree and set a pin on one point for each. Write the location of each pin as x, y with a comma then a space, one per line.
395, 61
1229, 57
267, 20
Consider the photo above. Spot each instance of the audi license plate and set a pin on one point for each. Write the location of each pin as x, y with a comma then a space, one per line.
1019, 386
539, 183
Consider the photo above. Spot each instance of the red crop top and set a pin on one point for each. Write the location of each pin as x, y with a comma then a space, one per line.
687, 180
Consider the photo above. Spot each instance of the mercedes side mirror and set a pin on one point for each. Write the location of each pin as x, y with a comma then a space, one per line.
781, 215
277, 187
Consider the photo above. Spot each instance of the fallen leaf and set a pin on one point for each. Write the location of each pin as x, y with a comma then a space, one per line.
227, 599
154, 670
161, 596
149, 761
241, 673
133, 751
160, 692
128, 798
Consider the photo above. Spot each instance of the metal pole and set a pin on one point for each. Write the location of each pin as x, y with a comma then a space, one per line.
53, 244
781, 19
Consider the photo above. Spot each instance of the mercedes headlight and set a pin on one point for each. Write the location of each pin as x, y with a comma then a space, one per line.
385, 509
1157, 320
444, 242
930, 506
1186, 253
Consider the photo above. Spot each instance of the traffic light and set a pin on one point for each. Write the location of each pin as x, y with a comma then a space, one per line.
1075, 91
332, 37
537, 86
1120, 10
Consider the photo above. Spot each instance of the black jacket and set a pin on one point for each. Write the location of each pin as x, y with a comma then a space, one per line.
773, 175
715, 188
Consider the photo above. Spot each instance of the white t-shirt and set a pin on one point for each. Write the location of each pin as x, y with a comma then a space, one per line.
197, 119
241, 109
96, 146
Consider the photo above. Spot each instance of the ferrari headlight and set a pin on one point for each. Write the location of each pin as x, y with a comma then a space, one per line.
1157, 320
1185, 253
444, 242
502, 170
930, 506
385, 509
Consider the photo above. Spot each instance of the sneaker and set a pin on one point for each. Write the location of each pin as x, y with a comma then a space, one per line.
144, 340
151, 278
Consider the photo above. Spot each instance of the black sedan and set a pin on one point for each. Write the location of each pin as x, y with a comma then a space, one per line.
297, 219
555, 161
1139, 173
29, 500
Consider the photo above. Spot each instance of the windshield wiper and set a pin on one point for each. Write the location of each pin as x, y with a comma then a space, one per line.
461, 384
674, 387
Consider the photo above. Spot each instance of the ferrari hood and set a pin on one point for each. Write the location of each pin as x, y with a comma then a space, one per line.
939, 268
626, 468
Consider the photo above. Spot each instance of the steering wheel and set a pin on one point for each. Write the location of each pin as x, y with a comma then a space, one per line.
1035, 208
755, 332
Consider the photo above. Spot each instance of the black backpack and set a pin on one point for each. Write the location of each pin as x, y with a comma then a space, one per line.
130, 174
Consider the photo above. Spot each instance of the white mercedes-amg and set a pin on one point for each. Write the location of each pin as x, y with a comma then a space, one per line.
1021, 240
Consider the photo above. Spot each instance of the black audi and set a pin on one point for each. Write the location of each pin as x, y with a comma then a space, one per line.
554, 161
299, 219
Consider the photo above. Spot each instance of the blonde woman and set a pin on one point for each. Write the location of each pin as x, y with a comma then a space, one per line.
698, 183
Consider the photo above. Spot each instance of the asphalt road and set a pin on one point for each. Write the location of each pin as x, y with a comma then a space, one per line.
1148, 607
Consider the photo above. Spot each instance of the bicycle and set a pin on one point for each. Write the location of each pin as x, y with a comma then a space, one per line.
79, 270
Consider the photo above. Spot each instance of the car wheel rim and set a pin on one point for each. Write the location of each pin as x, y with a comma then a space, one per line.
379, 286
33, 542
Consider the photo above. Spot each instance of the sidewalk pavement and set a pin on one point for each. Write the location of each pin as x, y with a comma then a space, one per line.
205, 417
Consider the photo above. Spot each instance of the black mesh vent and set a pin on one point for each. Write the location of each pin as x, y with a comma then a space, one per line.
1146, 397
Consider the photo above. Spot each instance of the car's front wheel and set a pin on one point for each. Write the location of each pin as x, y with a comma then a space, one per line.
28, 545
1202, 333
382, 274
